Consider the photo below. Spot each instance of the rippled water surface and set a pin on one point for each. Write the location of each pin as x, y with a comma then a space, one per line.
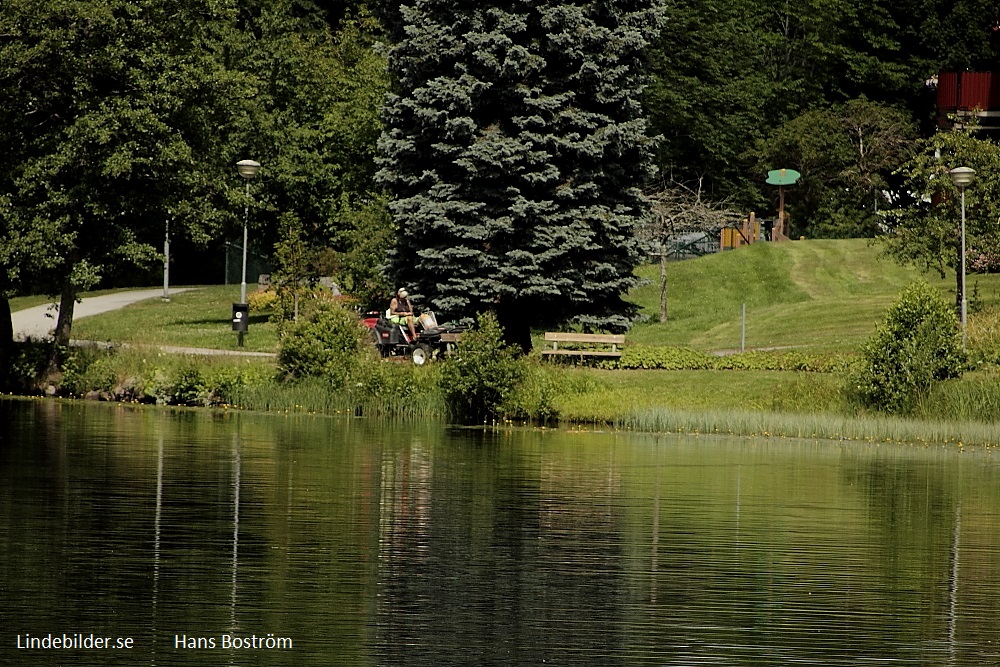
362, 543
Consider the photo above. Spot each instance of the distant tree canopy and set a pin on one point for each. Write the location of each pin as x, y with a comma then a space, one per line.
515, 148
730, 75
117, 115
848, 155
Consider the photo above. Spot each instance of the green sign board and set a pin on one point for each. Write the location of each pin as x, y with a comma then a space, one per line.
782, 177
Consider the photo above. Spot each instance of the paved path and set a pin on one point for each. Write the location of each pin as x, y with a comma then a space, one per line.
39, 321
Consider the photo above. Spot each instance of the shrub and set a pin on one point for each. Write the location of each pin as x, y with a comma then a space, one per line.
87, 369
28, 365
918, 344
190, 388
678, 358
535, 395
262, 300
326, 342
481, 376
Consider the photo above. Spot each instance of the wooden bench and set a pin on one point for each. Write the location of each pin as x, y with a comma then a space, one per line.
449, 340
584, 345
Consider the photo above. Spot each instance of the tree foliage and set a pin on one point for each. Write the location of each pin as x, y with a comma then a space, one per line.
117, 115
925, 229
515, 148
315, 123
847, 155
728, 73
111, 116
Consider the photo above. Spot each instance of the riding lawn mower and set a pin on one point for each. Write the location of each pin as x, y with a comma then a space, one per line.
394, 340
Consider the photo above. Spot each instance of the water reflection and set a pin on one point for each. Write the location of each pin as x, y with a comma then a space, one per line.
416, 545
236, 525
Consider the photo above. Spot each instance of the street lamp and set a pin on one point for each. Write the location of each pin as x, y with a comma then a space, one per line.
962, 177
248, 170
166, 262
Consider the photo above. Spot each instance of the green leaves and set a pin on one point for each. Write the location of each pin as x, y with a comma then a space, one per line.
925, 230
327, 343
482, 375
847, 155
918, 345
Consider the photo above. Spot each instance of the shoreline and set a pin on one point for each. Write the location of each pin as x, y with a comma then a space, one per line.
964, 435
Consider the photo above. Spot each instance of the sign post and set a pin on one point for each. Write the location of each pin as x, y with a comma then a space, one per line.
781, 178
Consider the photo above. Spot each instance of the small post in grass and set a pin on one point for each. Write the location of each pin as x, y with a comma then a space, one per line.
743, 328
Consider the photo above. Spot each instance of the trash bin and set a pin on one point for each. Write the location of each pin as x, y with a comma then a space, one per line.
241, 317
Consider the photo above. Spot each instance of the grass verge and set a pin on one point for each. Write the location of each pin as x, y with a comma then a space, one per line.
743, 403
197, 318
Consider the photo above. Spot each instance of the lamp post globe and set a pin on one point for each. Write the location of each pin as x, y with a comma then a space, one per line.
248, 168
962, 177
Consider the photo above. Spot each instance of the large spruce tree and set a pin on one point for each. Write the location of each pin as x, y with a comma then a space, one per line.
515, 148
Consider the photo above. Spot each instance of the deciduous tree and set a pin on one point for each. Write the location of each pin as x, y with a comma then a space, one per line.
679, 209
847, 155
111, 118
925, 229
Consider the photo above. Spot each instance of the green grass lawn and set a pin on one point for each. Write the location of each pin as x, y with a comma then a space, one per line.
197, 318
823, 294
610, 394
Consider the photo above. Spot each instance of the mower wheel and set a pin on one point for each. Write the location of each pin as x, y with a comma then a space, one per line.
421, 354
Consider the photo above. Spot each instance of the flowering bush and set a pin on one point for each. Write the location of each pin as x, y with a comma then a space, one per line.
984, 259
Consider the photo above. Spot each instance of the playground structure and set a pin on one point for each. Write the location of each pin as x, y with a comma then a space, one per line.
753, 230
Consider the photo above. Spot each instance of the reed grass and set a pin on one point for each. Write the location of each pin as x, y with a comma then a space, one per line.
315, 396
973, 397
865, 428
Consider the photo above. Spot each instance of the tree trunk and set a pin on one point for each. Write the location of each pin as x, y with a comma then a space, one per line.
516, 326
64, 325
663, 283
6, 342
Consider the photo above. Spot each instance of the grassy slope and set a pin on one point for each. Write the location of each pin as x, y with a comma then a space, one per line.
198, 318
827, 294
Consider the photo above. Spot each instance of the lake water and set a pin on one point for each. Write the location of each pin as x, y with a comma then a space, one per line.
337, 542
